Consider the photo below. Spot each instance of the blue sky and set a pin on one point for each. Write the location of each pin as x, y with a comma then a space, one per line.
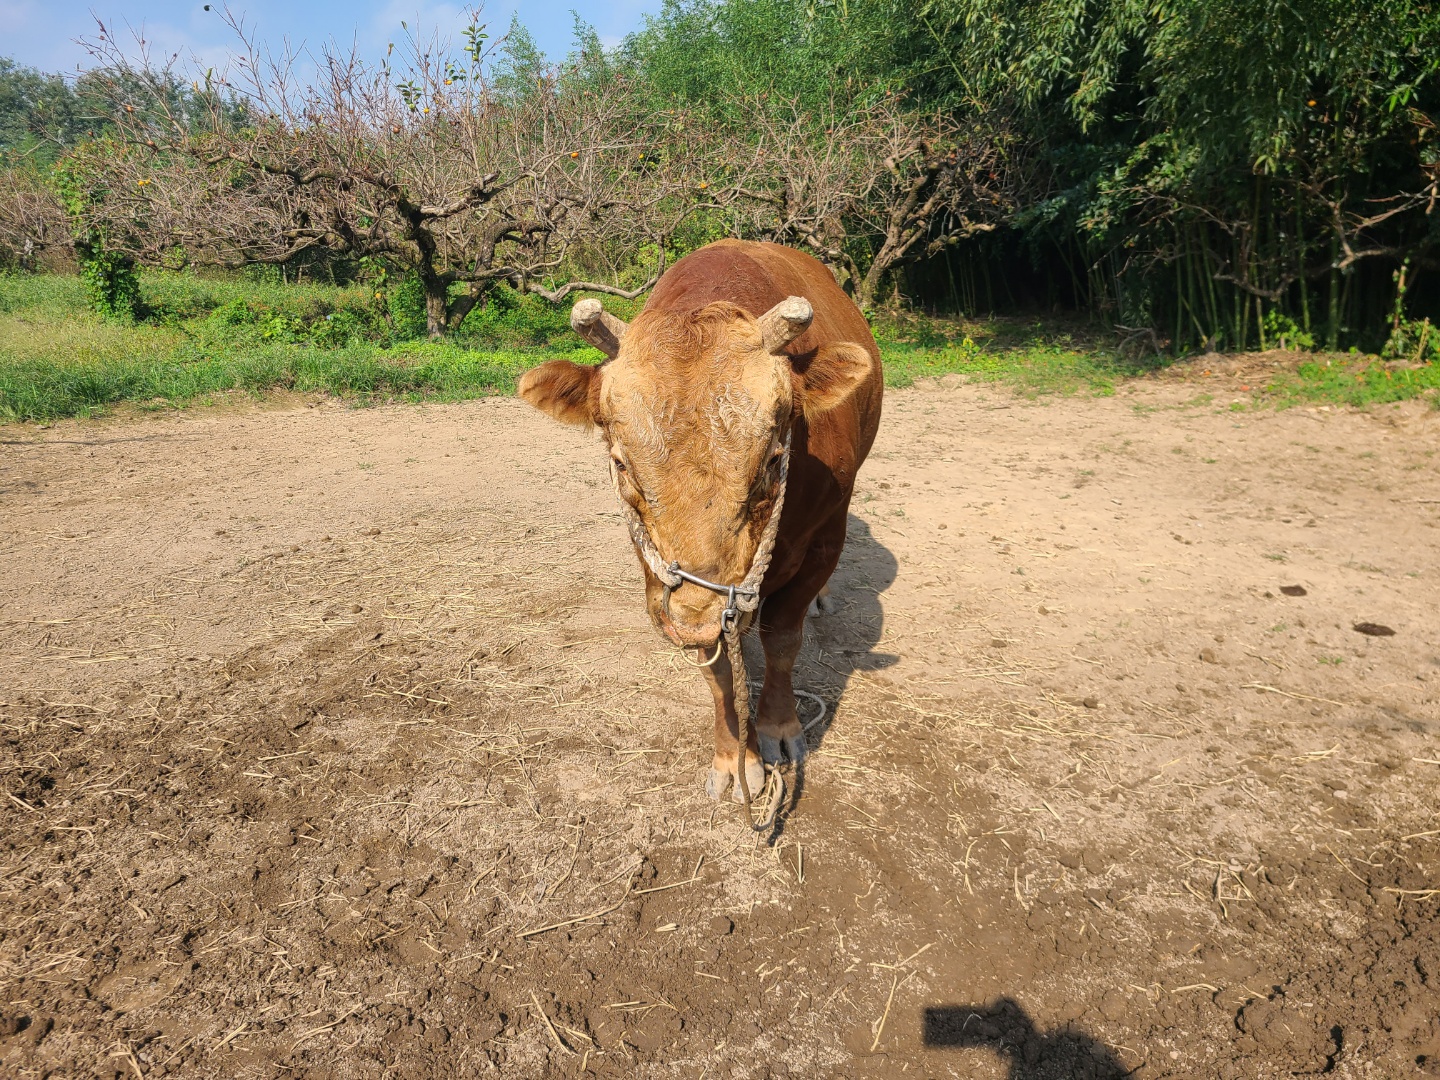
42, 33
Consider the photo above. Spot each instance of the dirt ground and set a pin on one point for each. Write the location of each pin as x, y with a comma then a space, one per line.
335, 744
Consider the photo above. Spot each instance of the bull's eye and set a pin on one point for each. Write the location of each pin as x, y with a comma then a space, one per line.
619, 465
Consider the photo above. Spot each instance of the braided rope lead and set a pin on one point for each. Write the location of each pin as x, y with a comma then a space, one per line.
742, 716
745, 597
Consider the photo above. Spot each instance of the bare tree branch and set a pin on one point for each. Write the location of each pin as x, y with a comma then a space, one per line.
427, 165
869, 186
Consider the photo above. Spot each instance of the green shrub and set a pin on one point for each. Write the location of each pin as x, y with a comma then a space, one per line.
516, 320
110, 277
1414, 340
407, 309
1282, 332
236, 313
111, 281
345, 327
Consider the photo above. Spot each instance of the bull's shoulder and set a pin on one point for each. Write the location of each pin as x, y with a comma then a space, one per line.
791, 263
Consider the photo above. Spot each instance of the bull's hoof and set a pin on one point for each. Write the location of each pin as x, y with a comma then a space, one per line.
824, 604
755, 777
770, 749
775, 750
717, 783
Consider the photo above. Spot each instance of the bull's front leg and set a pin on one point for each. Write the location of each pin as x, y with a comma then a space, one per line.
724, 768
777, 725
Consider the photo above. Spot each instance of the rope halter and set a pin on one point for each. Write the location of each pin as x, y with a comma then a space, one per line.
739, 599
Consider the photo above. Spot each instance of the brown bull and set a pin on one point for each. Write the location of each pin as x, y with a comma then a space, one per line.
740, 348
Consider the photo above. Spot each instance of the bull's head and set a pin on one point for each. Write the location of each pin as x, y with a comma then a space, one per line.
695, 409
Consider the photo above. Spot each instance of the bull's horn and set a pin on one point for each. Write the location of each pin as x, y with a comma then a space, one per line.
591, 321
786, 321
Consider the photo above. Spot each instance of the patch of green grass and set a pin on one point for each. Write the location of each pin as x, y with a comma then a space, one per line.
1032, 357
207, 337
1367, 568
44, 319
203, 336
1353, 380
46, 391
1030, 370
53, 294
211, 335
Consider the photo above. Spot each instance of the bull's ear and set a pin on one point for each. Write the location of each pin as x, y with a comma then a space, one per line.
832, 375
561, 389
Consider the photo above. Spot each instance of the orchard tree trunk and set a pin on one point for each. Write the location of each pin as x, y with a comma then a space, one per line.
436, 295
444, 315
868, 284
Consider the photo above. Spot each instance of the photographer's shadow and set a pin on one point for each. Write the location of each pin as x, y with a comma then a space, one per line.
1006, 1029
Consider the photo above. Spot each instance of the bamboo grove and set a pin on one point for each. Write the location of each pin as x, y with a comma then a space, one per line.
1206, 173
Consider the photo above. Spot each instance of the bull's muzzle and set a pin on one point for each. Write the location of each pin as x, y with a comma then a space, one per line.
686, 636
708, 633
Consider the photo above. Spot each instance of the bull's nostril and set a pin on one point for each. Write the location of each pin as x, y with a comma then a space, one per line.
704, 635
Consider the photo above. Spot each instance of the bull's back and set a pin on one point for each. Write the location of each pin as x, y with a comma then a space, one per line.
757, 277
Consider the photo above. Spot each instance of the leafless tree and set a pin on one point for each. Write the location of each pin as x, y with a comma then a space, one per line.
420, 160
869, 186
427, 162
32, 221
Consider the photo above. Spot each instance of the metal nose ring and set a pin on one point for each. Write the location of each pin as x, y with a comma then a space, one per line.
731, 592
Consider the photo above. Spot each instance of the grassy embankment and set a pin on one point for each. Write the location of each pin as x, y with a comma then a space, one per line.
204, 338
